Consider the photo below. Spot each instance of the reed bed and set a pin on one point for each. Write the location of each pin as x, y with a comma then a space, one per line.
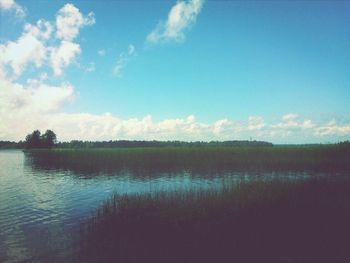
274, 221
327, 158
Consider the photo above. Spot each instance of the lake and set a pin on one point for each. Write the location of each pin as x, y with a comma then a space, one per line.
41, 210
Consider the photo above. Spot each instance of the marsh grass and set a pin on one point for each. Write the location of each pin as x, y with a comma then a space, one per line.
276, 221
272, 221
327, 158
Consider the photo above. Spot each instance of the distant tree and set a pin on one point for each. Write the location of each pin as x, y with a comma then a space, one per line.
33, 140
48, 139
10, 145
36, 140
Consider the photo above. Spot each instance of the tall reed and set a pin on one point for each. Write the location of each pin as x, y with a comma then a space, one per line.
255, 222
332, 158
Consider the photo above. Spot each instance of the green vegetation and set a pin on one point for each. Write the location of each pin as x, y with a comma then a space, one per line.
256, 222
277, 221
36, 141
325, 158
75, 144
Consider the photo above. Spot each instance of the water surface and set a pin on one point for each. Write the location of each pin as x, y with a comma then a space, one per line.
41, 209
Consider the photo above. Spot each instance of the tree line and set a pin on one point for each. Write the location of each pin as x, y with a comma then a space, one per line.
141, 143
48, 140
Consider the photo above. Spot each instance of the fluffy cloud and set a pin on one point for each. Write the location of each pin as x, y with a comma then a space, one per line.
36, 46
42, 30
9, 5
63, 55
34, 97
290, 121
28, 48
69, 20
333, 129
24, 107
123, 60
181, 16
35, 103
255, 123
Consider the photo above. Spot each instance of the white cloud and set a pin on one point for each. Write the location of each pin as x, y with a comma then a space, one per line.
290, 126
36, 96
42, 77
226, 129
28, 48
9, 5
42, 29
332, 128
25, 107
123, 59
106, 126
37, 105
25, 50
181, 16
63, 55
290, 121
36, 46
69, 20
101, 52
255, 123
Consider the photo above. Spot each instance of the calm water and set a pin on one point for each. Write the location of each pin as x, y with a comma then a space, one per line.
41, 210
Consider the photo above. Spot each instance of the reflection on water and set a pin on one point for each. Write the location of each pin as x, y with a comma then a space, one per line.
41, 208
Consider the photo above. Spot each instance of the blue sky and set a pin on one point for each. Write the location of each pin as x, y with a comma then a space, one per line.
191, 70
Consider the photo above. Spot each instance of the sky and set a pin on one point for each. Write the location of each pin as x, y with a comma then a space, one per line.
276, 71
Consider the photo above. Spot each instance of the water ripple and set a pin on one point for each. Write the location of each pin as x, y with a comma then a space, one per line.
40, 210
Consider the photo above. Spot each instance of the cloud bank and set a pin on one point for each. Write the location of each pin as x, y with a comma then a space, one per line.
38, 106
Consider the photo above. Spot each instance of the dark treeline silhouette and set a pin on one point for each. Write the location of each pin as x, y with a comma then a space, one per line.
11, 145
49, 140
35, 140
135, 144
